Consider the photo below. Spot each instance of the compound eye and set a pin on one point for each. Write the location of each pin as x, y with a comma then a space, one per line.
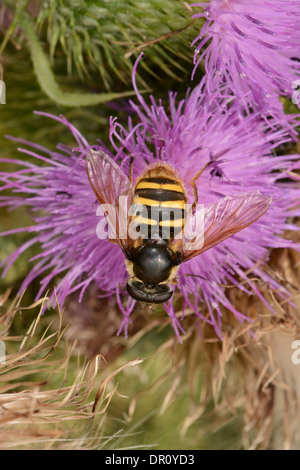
157, 295
164, 296
135, 292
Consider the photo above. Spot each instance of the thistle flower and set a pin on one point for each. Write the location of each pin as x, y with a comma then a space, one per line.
195, 131
252, 46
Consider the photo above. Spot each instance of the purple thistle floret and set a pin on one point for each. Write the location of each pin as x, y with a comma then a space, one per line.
253, 47
195, 131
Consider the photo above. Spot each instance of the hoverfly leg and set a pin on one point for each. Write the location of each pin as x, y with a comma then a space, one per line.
131, 168
193, 184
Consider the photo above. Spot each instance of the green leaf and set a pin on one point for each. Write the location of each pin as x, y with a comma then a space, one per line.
47, 80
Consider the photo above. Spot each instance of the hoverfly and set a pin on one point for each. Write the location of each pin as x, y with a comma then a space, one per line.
152, 261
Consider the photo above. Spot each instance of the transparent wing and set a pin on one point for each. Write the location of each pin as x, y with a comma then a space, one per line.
222, 220
106, 177
112, 188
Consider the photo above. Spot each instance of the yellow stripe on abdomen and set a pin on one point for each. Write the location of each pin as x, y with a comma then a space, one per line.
172, 223
152, 202
142, 220
167, 186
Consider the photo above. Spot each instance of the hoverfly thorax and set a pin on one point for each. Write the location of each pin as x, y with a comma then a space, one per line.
153, 261
153, 266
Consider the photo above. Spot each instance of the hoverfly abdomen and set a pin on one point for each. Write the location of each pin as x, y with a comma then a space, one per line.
163, 198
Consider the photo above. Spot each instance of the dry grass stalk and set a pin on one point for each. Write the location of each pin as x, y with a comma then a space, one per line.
47, 402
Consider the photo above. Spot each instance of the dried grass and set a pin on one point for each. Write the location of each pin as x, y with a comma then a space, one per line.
50, 397
251, 372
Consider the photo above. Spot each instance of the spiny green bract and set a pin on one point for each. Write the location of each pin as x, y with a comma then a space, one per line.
106, 35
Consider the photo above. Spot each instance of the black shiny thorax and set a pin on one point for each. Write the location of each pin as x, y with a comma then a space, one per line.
153, 261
